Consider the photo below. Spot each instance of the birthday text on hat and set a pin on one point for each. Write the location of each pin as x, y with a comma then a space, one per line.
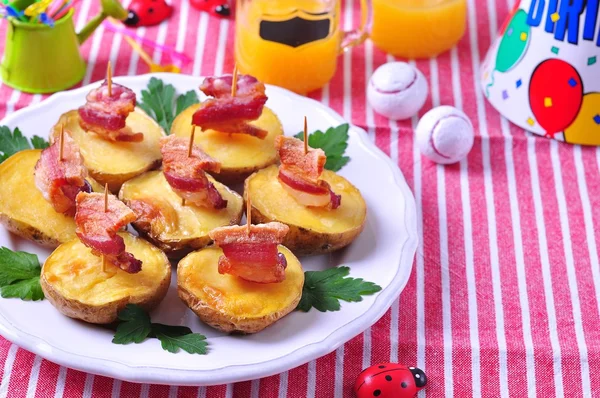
566, 20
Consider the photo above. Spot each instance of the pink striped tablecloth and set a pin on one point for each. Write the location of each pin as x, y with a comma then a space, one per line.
504, 299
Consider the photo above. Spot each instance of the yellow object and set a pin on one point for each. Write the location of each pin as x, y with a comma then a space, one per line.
229, 303
547, 102
116, 162
73, 280
523, 36
37, 8
418, 28
312, 230
23, 209
240, 154
530, 121
292, 43
555, 17
180, 226
585, 129
154, 67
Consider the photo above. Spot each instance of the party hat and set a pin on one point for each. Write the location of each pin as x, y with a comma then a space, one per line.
543, 71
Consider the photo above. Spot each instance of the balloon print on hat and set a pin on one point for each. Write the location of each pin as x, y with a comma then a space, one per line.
586, 127
509, 17
512, 46
555, 95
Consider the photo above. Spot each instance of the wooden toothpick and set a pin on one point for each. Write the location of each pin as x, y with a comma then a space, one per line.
61, 145
105, 197
191, 140
305, 136
248, 213
109, 78
234, 81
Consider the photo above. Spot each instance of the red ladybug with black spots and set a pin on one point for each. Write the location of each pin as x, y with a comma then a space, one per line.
390, 380
147, 12
218, 8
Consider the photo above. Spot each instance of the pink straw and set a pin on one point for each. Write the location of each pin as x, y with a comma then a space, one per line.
54, 7
63, 11
165, 49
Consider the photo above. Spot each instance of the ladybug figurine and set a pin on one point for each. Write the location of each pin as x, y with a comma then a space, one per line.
218, 8
147, 12
389, 380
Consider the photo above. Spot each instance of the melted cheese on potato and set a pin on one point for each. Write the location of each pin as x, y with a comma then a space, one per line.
77, 274
182, 222
21, 201
198, 273
234, 151
119, 158
273, 201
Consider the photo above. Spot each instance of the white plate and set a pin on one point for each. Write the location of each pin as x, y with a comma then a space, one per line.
383, 253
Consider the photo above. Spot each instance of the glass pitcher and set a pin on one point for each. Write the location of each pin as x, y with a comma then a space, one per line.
294, 43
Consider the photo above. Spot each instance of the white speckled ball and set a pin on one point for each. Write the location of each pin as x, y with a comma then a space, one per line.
397, 90
445, 135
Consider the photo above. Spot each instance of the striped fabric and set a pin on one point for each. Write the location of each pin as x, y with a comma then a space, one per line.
504, 299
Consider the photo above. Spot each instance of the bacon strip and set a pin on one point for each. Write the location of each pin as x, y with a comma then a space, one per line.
291, 153
106, 115
253, 257
185, 174
299, 174
228, 114
60, 181
98, 229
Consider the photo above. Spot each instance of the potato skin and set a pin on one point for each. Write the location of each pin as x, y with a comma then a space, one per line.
105, 312
27, 231
98, 159
175, 248
115, 181
229, 303
230, 174
23, 209
182, 243
304, 241
231, 324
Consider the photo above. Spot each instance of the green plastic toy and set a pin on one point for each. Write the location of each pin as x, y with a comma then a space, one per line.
42, 59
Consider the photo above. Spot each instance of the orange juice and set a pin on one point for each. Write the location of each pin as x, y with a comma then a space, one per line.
289, 43
418, 28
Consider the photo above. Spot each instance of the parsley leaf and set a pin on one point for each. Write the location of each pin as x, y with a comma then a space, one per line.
323, 290
27, 289
39, 142
158, 101
333, 142
135, 327
12, 142
20, 275
174, 338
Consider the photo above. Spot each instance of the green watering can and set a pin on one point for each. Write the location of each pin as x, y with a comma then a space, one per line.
42, 59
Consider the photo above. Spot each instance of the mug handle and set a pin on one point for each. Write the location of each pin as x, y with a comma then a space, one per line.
355, 37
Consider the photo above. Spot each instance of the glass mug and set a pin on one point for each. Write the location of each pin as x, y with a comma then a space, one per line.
293, 43
418, 28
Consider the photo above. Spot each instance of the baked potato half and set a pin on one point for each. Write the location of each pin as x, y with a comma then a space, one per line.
231, 304
23, 209
178, 229
312, 230
115, 162
240, 154
73, 281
